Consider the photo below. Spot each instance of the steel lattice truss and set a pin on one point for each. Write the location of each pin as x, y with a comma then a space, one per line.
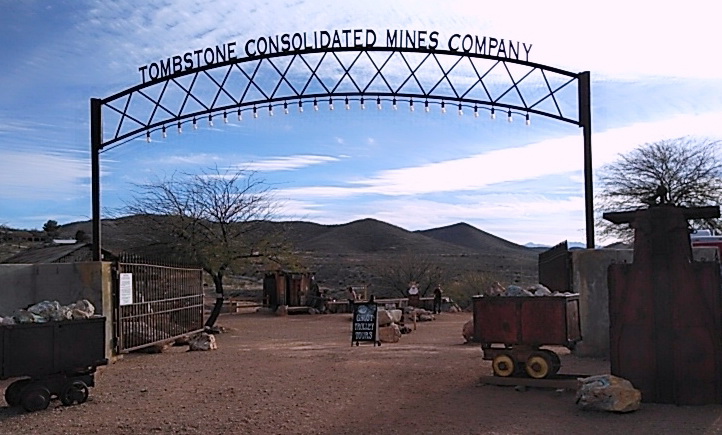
350, 77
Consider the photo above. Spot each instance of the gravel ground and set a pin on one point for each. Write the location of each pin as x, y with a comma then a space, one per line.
300, 375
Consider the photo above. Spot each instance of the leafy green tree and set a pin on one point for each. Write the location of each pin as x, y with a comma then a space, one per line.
684, 172
51, 228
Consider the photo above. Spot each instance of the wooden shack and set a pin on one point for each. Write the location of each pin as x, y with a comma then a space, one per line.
282, 287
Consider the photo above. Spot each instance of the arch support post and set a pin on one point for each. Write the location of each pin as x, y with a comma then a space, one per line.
96, 139
585, 122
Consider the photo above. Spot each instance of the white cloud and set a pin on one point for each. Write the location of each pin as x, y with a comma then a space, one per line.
609, 144
192, 159
554, 156
42, 176
646, 38
287, 163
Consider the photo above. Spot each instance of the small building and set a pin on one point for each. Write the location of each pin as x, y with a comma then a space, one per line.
281, 287
57, 253
8, 235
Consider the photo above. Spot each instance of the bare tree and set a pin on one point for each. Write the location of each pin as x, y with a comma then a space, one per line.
214, 219
470, 284
683, 171
395, 275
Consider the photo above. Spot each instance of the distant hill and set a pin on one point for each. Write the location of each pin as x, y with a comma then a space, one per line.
541, 248
463, 234
368, 236
351, 252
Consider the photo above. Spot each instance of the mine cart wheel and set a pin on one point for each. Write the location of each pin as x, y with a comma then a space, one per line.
539, 365
35, 398
14, 391
74, 392
556, 362
503, 365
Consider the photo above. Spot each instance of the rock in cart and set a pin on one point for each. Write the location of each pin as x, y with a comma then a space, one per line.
52, 360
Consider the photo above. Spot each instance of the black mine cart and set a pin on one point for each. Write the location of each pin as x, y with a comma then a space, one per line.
53, 359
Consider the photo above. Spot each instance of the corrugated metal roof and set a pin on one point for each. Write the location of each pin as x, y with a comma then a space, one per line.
46, 254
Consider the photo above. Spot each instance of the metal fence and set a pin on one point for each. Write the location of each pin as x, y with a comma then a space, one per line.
155, 303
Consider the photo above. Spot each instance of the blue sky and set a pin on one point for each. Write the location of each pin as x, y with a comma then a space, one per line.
654, 70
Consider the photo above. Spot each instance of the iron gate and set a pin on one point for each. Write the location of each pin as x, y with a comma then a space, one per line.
155, 303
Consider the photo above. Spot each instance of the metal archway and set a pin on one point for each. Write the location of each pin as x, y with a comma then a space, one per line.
358, 75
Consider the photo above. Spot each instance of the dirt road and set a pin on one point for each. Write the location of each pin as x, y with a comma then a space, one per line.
300, 375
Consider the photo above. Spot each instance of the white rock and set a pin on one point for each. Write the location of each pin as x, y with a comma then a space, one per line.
468, 331
390, 333
396, 315
82, 309
384, 317
515, 290
540, 290
202, 341
608, 393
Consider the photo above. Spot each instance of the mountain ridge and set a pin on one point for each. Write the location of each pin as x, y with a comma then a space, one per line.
355, 251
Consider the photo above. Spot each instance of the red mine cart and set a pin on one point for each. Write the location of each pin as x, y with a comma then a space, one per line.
512, 330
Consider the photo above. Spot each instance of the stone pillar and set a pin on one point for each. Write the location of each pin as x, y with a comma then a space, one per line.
589, 278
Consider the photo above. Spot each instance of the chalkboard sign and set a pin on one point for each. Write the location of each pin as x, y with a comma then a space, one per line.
365, 324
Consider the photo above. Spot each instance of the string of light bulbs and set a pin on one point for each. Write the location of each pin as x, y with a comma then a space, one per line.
347, 105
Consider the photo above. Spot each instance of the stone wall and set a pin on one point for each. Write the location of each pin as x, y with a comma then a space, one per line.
22, 285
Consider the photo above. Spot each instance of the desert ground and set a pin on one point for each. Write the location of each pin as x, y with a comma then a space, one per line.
300, 375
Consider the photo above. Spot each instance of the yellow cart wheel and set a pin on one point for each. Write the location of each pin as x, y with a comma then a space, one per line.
503, 365
539, 365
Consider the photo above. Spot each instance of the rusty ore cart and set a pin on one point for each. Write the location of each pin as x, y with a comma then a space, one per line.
512, 330
53, 359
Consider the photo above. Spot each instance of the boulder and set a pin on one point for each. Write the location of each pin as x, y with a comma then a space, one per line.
540, 290
52, 311
82, 309
396, 315
25, 316
515, 290
385, 317
202, 341
155, 348
390, 333
6, 321
468, 331
495, 289
608, 393
45, 309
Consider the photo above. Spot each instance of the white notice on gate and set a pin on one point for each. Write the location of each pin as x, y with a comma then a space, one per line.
126, 288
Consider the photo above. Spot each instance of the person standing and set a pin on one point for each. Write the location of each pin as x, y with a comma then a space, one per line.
413, 294
437, 299
352, 296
